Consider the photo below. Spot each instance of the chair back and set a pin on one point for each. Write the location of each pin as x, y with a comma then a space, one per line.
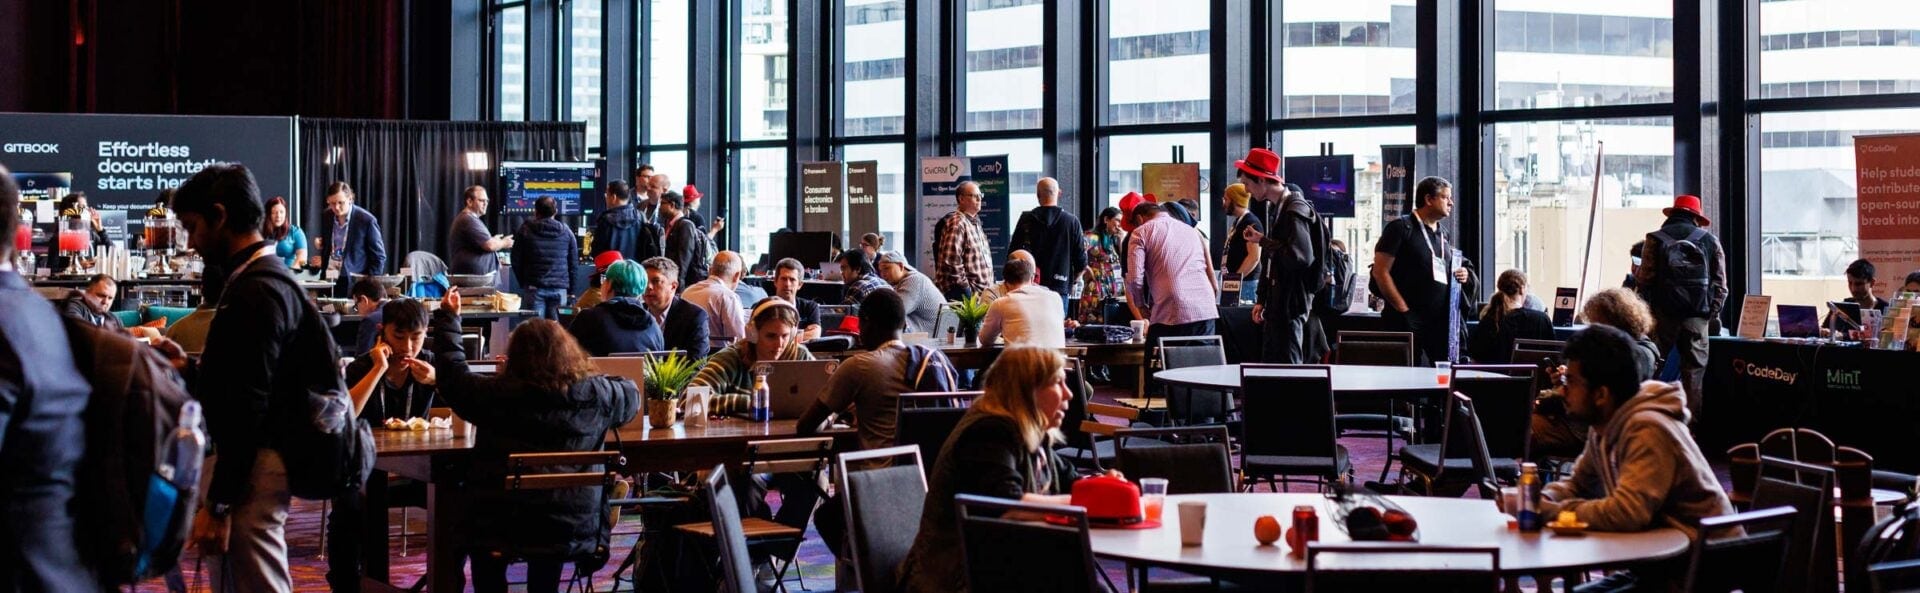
1288, 410
1401, 567
1011, 555
1889, 577
1554, 346
944, 320
926, 419
1504, 406
1893, 539
736, 566
1194, 460
1393, 354
1191, 351
1743, 551
883, 503
1809, 490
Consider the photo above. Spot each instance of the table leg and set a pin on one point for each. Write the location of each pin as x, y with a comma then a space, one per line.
374, 561
445, 565
1140, 381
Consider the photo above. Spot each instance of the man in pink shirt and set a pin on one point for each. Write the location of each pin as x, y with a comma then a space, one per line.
1169, 276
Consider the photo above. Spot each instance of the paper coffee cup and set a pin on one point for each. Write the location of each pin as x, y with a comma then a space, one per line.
1193, 522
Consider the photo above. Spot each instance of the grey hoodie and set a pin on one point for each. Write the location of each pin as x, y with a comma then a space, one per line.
1642, 470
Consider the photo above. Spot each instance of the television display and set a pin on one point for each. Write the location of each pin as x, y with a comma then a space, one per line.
524, 182
1328, 181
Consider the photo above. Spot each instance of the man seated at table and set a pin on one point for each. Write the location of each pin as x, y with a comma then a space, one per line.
683, 326
368, 295
1860, 275
715, 296
1641, 468
394, 379
93, 305
788, 275
621, 323
1005, 286
923, 299
1026, 313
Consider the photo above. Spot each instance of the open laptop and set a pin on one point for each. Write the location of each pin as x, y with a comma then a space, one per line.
631, 367
793, 385
1799, 321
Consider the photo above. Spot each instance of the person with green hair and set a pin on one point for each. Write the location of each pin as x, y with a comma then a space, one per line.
620, 323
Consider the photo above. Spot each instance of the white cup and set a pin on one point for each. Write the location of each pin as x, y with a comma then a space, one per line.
1193, 522
1139, 330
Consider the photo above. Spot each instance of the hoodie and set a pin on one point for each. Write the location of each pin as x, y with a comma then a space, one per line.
622, 229
621, 324
1642, 470
544, 254
1055, 239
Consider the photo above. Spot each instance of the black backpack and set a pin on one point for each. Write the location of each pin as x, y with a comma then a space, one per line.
1320, 238
137, 521
327, 448
1681, 285
1337, 296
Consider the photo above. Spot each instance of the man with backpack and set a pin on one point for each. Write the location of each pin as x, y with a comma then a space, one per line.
1683, 277
1415, 271
1293, 253
624, 229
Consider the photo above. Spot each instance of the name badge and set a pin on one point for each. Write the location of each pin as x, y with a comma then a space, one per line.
1440, 271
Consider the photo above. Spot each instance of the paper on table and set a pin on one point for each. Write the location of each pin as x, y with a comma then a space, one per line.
1753, 316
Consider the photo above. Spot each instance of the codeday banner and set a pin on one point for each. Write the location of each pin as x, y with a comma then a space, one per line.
822, 199
123, 161
1888, 172
940, 179
863, 204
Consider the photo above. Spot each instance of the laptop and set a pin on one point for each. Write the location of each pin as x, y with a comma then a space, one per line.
793, 385
631, 367
1799, 321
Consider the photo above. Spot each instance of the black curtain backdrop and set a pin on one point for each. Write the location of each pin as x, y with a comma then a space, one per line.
410, 174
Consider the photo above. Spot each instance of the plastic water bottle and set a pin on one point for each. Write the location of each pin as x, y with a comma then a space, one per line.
186, 449
758, 407
1529, 507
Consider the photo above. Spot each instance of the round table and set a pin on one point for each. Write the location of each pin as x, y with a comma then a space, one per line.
1347, 378
1230, 552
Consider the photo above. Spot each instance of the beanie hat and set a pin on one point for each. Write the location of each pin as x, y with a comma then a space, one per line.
1237, 193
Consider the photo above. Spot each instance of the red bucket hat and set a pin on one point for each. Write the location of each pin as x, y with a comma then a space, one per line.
606, 258
1691, 205
690, 194
1111, 503
1261, 163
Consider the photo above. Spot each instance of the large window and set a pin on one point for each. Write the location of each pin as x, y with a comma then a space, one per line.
1820, 48
1354, 57
874, 52
665, 111
1577, 54
1158, 69
1360, 231
1125, 154
760, 74
512, 72
761, 208
895, 186
1809, 214
583, 71
1025, 167
1003, 79
1543, 189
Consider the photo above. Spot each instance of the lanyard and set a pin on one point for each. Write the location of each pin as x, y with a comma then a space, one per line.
262, 252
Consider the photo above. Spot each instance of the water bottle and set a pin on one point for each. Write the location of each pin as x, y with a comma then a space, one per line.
186, 448
758, 407
1529, 507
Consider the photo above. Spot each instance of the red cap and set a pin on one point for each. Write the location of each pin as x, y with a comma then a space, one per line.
690, 194
1260, 163
605, 259
1127, 202
1111, 503
1691, 205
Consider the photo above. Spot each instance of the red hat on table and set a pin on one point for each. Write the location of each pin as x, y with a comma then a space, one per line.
605, 259
1111, 503
1691, 205
1260, 163
690, 194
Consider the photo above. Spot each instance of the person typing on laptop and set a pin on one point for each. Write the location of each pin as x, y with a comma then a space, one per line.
771, 333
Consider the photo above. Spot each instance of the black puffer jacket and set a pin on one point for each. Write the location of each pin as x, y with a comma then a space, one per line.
513, 417
1056, 241
618, 325
544, 254
621, 229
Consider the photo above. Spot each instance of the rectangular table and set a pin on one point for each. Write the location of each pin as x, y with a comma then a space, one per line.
434, 457
1860, 398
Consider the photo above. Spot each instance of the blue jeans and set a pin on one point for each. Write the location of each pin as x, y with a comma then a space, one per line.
544, 302
1250, 290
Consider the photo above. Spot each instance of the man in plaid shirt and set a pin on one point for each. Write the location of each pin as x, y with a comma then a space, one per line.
963, 262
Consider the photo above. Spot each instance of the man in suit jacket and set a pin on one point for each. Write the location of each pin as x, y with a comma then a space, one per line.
42, 434
683, 325
353, 237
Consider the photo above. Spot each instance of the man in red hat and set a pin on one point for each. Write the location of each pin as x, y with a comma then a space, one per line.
690, 195
1290, 271
1683, 277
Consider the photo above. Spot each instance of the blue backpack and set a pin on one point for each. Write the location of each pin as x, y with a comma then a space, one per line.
930, 370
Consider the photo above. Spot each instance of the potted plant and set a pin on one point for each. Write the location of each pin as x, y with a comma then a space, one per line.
667, 376
970, 312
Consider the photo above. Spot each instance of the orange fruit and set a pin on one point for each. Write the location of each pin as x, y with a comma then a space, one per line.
1266, 529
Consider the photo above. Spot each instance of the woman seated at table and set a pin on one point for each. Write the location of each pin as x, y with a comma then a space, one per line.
620, 323
771, 333
1505, 320
1625, 311
1001, 448
547, 399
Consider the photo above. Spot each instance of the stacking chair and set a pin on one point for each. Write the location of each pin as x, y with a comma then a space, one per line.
1809, 490
1375, 348
1852, 471
560, 471
1897, 576
926, 419
1886, 546
1188, 405
1004, 554
1743, 551
1194, 460
1089, 443
1385, 419
1452, 466
1288, 410
1503, 405
730, 536
883, 506
1398, 567
797, 464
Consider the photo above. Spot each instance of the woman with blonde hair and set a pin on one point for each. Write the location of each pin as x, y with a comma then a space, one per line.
1507, 319
1001, 448
1624, 310
773, 330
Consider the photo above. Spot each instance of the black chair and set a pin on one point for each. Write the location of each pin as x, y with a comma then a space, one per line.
1809, 490
795, 466
1400, 567
1454, 465
1891, 541
1188, 405
736, 566
1089, 443
1007, 554
926, 419
1503, 405
883, 506
1743, 551
1901, 576
1288, 410
1194, 460
1554, 346
527, 472
1385, 419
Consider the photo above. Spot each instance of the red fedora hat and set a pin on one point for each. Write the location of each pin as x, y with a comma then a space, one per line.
1691, 205
1261, 163
1111, 503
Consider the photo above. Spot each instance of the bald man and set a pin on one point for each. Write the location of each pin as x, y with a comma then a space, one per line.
1055, 238
962, 259
726, 321
1001, 289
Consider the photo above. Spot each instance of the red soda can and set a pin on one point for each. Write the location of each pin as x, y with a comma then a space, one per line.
1306, 523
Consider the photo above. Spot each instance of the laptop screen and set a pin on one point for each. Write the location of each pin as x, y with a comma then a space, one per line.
1799, 321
